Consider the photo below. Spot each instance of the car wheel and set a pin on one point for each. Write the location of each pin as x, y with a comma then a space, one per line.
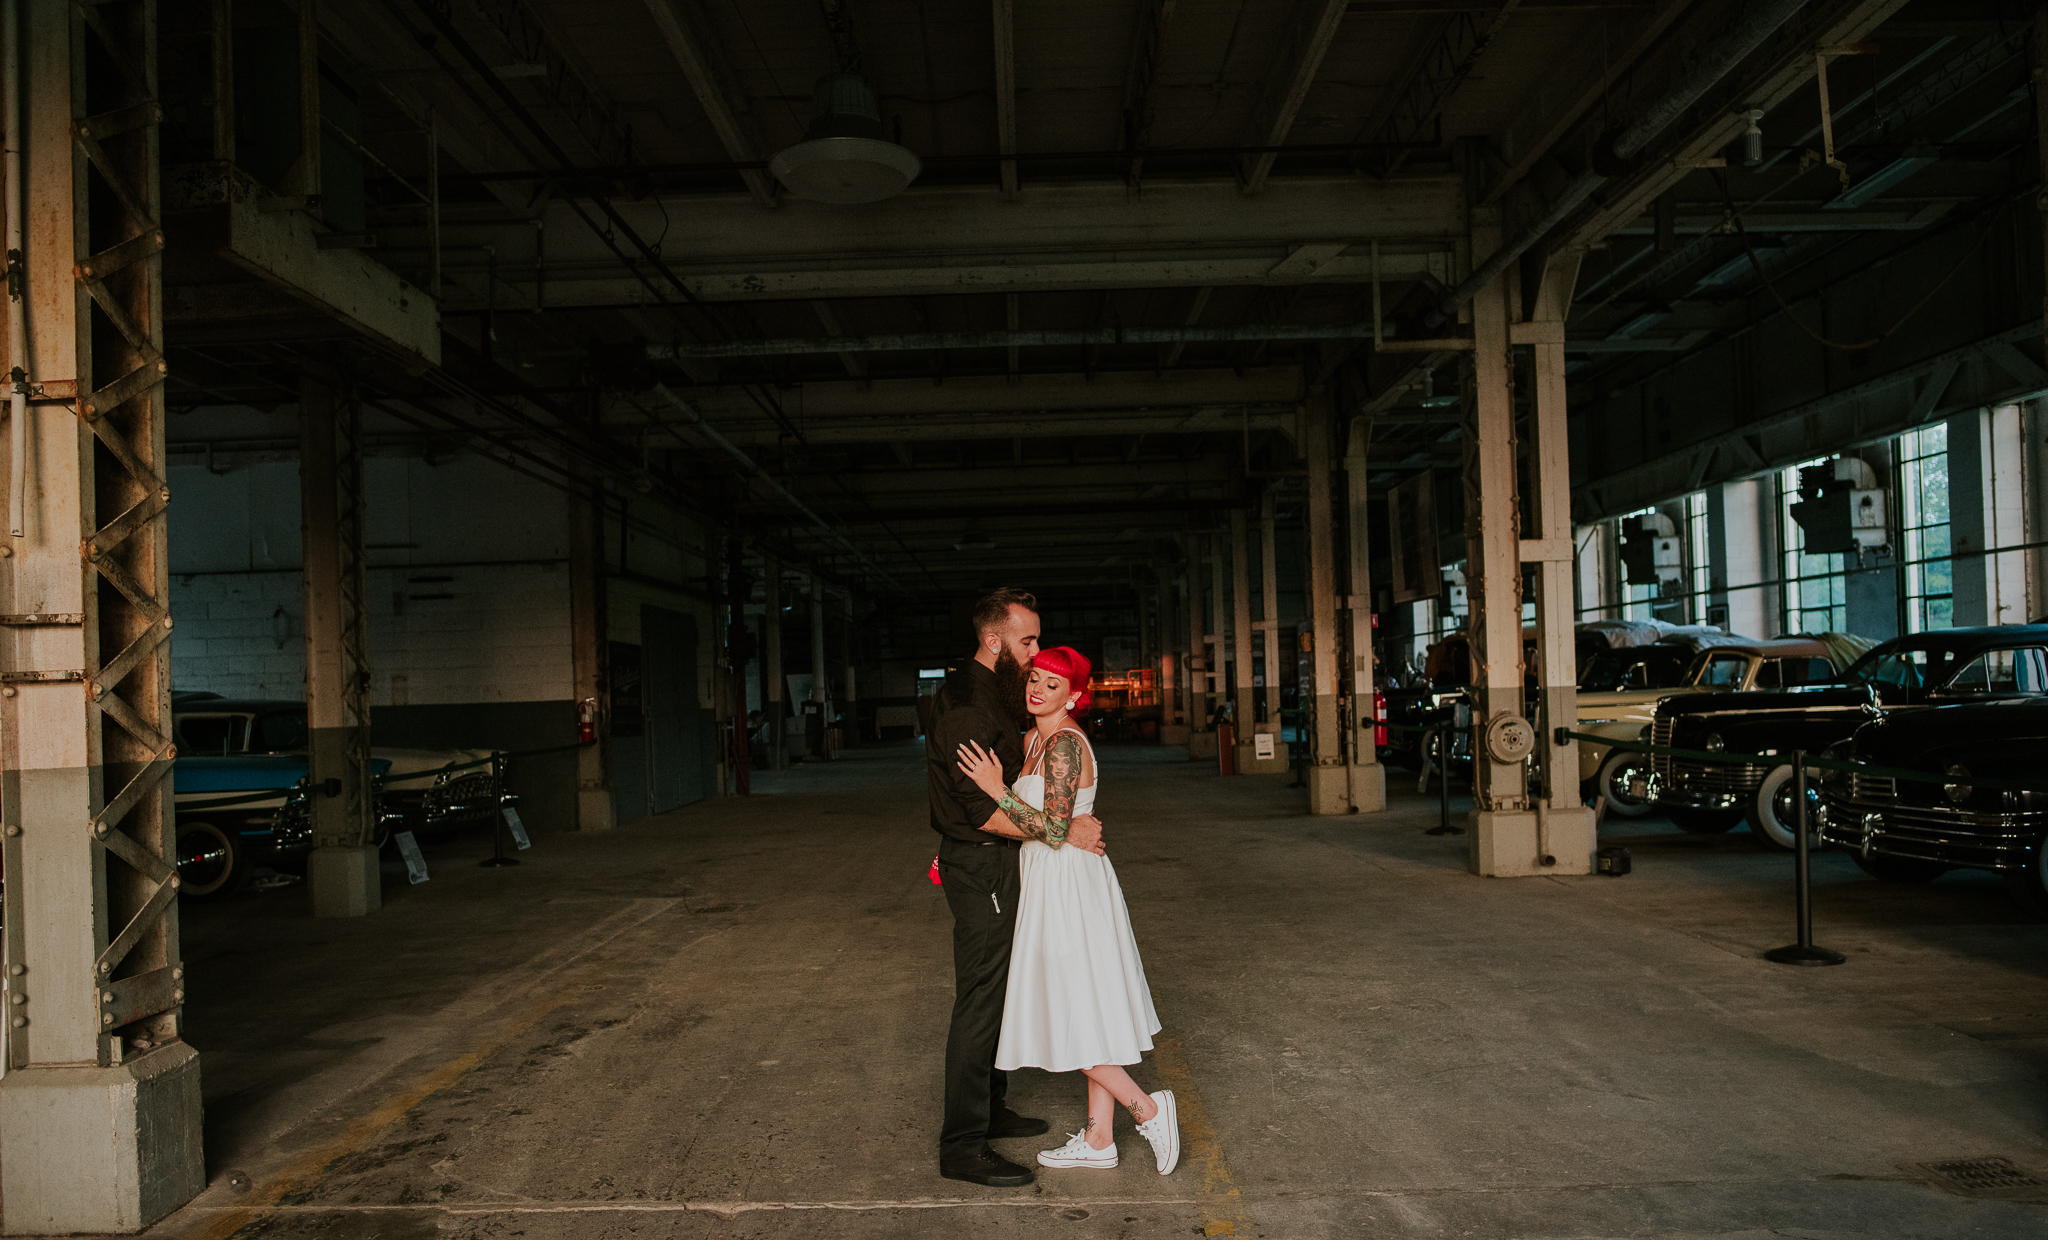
1705, 821
2029, 887
211, 863
1612, 783
1772, 811
1899, 869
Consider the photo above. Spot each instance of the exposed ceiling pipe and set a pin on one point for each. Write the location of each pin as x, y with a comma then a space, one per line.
1715, 61
917, 341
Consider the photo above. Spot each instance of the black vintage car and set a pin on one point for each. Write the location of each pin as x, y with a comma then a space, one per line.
1905, 674
1914, 831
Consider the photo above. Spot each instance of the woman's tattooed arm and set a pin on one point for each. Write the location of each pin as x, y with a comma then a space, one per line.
1062, 769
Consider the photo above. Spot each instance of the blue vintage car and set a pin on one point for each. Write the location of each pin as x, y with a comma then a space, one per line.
238, 812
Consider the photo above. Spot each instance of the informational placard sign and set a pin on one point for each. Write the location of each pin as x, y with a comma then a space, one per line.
415, 865
517, 827
1262, 745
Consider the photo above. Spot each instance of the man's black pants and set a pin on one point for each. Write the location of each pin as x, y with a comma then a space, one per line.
982, 885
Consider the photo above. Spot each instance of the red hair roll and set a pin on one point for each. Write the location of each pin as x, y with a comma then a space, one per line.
1074, 666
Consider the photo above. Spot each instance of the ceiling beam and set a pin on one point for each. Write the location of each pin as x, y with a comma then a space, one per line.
1148, 44
1449, 59
1287, 84
566, 84
1171, 393
685, 31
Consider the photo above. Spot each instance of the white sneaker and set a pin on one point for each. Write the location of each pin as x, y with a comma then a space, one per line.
1163, 1131
1078, 1153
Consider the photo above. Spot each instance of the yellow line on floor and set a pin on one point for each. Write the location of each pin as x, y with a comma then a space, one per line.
304, 1172
469, 1208
1222, 1208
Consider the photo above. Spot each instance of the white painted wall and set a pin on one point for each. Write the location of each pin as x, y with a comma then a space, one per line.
495, 541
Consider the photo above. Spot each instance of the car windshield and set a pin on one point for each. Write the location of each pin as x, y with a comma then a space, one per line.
1910, 663
1719, 668
212, 736
1792, 673
1640, 667
280, 730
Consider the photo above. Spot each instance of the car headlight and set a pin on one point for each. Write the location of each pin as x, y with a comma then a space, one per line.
1958, 785
1714, 743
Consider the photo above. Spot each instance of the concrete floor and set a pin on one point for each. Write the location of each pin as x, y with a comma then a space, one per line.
727, 1022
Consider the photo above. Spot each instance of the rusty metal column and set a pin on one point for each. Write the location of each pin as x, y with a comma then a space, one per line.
1565, 830
1368, 784
1328, 781
342, 872
587, 634
1503, 841
99, 1108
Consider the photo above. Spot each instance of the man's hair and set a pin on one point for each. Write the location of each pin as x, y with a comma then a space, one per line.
993, 611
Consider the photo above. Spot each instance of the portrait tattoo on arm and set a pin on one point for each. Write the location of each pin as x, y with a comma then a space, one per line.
1062, 769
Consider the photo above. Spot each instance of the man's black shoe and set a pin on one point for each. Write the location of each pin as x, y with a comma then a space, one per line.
987, 1167
1008, 1123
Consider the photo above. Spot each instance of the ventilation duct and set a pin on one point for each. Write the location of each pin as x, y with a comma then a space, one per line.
844, 158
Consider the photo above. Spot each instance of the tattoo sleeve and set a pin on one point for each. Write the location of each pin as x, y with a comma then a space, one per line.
1062, 784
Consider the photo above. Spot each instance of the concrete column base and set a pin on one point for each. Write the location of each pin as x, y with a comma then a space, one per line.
345, 882
594, 811
1329, 790
1173, 733
1504, 843
1249, 763
1368, 787
1201, 747
100, 1149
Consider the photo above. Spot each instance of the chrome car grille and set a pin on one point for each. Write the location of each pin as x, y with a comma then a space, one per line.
1660, 734
1713, 777
1864, 787
473, 793
1976, 839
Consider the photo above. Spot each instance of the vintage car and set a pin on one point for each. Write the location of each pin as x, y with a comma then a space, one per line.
235, 815
1904, 674
432, 790
1720, 664
1914, 831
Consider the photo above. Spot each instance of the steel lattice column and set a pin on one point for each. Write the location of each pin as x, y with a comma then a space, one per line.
99, 1111
342, 872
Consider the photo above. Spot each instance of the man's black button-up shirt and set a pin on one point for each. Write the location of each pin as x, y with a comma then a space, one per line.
968, 707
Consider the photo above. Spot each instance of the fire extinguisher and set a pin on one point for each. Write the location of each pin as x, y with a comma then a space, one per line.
586, 721
1379, 719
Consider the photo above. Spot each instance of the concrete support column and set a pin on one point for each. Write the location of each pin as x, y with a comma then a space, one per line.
1269, 613
1566, 835
342, 873
1241, 640
1368, 779
587, 635
1201, 729
821, 676
771, 667
1329, 783
851, 696
1503, 839
99, 1106
1172, 729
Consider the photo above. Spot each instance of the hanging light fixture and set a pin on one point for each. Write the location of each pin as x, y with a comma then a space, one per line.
1430, 400
844, 158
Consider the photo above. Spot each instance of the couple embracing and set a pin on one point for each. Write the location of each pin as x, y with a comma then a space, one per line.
1046, 970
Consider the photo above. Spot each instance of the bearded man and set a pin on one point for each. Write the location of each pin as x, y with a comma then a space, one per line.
983, 701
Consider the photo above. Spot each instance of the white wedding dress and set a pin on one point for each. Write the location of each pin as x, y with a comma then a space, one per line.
1077, 996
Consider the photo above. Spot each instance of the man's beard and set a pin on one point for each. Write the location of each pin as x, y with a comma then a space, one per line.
1013, 678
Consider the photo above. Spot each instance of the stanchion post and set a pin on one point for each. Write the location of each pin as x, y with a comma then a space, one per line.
1803, 952
498, 857
1443, 779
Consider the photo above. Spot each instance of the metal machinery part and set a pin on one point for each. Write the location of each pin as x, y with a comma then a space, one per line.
1509, 738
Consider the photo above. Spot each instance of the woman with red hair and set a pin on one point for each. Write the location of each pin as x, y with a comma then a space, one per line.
1077, 998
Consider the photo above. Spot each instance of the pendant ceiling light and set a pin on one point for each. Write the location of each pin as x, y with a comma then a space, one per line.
844, 157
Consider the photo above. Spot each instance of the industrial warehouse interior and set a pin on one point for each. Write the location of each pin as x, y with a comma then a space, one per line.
1547, 499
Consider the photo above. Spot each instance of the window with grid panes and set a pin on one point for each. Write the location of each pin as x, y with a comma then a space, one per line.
1929, 578
1816, 591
